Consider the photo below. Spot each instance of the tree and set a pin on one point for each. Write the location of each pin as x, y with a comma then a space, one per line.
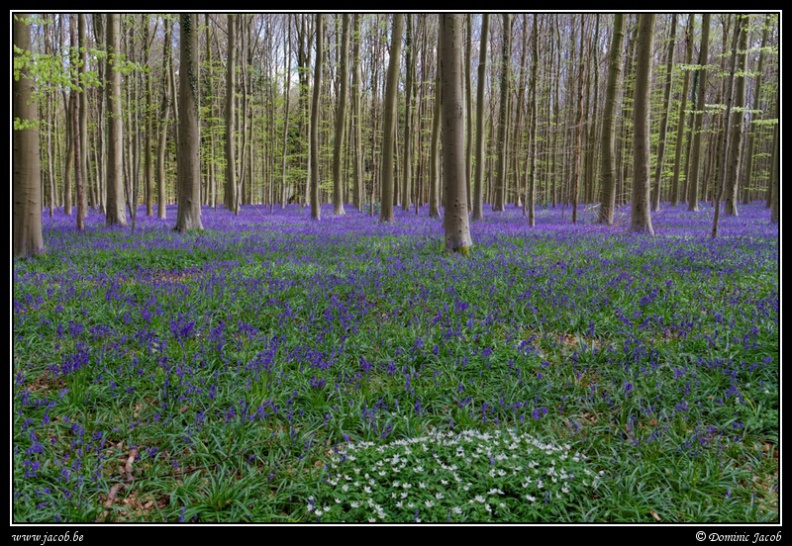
408, 94
726, 135
499, 202
478, 207
162, 200
115, 213
457, 229
231, 198
389, 120
612, 92
666, 107
695, 154
26, 182
316, 211
640, 219
188, 216
338, 199
681, 115
531, 193
736, 122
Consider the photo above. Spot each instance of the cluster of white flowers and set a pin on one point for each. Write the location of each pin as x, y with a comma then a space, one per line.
499, 454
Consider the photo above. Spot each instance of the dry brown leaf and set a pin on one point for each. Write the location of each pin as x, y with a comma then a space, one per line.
654, 515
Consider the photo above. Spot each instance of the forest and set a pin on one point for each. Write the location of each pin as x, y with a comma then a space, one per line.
395, 267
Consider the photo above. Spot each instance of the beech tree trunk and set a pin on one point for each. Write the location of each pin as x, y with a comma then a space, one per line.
316, 211
478, 201
457, 228
115, 214
695, 153
340, 122
640, 219
26, 182
612, 92
389, 121
188, 161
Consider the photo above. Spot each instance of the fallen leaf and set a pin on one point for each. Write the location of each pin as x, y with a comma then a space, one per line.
654, 515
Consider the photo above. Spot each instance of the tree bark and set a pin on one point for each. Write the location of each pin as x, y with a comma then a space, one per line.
478, 201
231, 199
389, 120
188, 161
608, 126
664, 122
640, 219
499, 202
457, 228
695, 153
115, 213
316, 211
681, 115
340, 122
26, 182
736, 122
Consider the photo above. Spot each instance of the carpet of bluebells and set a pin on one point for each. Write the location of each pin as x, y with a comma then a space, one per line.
275, 369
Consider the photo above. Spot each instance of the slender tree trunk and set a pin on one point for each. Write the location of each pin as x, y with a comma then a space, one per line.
26, 182
499, 203
695, 153
162, 197
578, 126
434, 183
531, 194
736, 122
231, 199
357, 187
681, 115
723, 152
408, 96
188, 162
340, 122
608, 127
749, 154
287, 93
664, 123
478, 202
115, 213
469, 107
79, 160
389, 121
316, 211
640, 219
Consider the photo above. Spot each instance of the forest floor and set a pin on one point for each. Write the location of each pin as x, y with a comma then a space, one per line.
275, 369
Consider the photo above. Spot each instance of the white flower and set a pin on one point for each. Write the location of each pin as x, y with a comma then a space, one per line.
438, 496
318, 513
399, 504
530, 498
354, 504
367, 489
456, 510
345, 487
404, 495
422, 485
429, 504
338, 501
444, 482
479, 498
419, 469
406, 485
396, 484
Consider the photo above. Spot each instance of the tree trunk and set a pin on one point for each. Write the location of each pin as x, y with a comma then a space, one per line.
723, 152
408, 96
608, 126
77, 116
531, 193
736, 123
162, 197
749, 155
26, 182
499, 202
231, 200
340, 122
681, 115
695, 153
478, 201
640, 219
188, 165
357, 187
316, 211
664, 123
115, 213
389, 120
457, 229
434, 182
